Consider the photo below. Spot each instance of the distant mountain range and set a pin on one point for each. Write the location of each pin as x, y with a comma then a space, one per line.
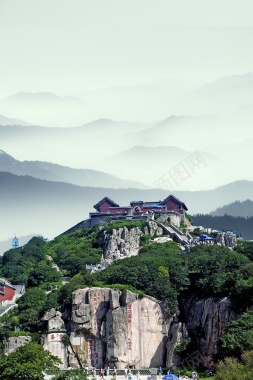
8, 121
76, 146
142, 152
156, 100
34, 206
239, 225
237, 208
44, 108
54, 172
40, 99
222, 96
162, 166
147, 102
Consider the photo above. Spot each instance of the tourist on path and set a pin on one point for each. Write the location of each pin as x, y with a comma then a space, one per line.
102, 374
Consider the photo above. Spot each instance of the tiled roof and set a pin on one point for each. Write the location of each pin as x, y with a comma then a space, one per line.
104, 200
6, 282
176, 199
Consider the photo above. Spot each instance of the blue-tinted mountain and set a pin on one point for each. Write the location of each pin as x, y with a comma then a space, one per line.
44, 108
53, 172
9, 121
33, 206
237, 208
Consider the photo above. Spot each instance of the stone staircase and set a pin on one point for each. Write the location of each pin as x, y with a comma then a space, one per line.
5, 309
176, 234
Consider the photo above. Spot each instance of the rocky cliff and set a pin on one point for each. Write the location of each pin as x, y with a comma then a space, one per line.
107, 326
204, 321
125, 242
14, 342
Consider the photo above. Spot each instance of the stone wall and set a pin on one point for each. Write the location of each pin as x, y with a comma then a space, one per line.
171, 218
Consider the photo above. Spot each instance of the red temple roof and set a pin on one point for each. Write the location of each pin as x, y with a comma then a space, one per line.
105, 199
171, 197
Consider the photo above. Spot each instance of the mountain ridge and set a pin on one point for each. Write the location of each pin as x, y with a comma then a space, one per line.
237, 208
27, 202
60, 173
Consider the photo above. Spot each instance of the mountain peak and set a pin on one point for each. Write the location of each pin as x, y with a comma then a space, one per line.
38, 97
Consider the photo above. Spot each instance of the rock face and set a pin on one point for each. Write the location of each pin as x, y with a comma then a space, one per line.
125, 242
107, 326
205, 320
153, 229
14, 342
53, 340
226, 238
177, 335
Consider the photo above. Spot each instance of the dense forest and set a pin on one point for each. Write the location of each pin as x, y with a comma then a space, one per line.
242, 226
162, 271
237, 208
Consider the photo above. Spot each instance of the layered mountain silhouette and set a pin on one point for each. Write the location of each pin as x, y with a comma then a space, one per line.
156, 100
9, 121
76, 146
237, 208
40, 99
112, 127
145, 102
144, 154
224, 95
54, 172
44, 108
162, 166
34, 206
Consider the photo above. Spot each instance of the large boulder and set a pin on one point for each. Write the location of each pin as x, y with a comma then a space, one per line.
122, 242
14, 342
53, 341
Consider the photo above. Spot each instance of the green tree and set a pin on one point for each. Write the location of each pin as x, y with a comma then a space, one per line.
30, 307
238, 336
51, 301
73, 251
75, 374
246, 248
231, 369
76, 282
215, 270
158, 270
27, 362
33, 298
27, 262
44, 272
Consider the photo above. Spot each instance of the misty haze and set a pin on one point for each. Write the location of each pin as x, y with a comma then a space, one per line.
133, 100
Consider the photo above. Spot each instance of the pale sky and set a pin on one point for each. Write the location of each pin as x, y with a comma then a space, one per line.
68, 46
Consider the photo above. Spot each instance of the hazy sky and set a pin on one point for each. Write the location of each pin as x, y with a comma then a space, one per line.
67, 46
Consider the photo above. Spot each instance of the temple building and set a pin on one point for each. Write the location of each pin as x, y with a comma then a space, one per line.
137, 209
171, 210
